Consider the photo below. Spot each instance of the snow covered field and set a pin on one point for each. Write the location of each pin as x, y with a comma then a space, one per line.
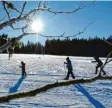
42, 70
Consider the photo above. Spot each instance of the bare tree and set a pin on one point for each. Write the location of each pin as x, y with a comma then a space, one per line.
20, 15
8, 21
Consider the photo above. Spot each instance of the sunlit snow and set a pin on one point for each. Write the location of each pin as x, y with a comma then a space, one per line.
42, 70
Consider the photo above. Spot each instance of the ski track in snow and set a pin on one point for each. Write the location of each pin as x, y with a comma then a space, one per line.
42, 70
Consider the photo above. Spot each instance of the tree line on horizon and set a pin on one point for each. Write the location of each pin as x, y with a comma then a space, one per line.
79, 47
71, 47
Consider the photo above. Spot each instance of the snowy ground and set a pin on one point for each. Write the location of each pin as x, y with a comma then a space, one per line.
46, 69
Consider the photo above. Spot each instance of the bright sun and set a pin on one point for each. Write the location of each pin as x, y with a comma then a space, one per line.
37, 25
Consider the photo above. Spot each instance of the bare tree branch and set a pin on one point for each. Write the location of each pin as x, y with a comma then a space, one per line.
107, 42
109, 53
8, 23
51, 86
108, 56
7, 14
22, 28
6, 10
80, 32
21, 17
3, 18
106, 61
14, 20
62, 35
10, 5
70, 12
109, 61
6, 46
23, 8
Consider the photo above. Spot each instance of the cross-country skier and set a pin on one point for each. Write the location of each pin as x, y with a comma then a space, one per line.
23, 69
99, 65
70, 69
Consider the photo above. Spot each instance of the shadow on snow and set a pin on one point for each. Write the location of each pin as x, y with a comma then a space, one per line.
16, 86
96, 103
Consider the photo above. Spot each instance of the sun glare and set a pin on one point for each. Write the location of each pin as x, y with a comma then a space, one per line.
37, 25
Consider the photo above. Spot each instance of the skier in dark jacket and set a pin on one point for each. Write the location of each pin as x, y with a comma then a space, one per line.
23, 69
100, 63
70, 69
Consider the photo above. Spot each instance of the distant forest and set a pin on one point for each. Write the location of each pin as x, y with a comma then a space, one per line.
71, 47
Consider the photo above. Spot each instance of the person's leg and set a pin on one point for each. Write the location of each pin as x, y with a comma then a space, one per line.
25, 74
96, 71
22, 73
72, 75
67, 77
9, 56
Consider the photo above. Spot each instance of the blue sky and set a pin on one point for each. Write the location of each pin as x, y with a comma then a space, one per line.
100, 14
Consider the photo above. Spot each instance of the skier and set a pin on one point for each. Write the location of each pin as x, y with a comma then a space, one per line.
10, 51
23, 68
69, 67
100, 63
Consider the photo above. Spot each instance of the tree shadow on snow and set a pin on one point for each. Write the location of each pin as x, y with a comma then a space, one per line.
17, 85
96, 103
